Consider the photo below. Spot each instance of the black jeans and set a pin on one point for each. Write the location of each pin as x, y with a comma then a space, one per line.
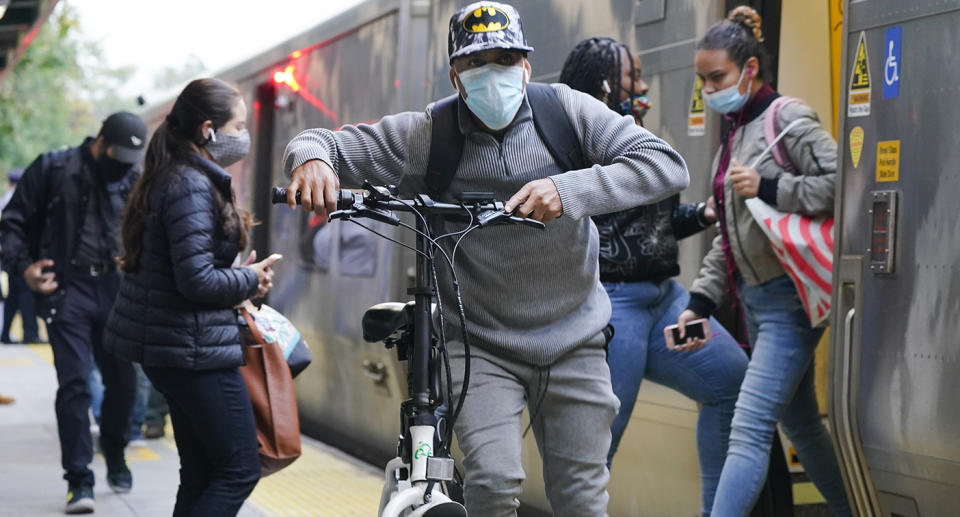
76, 337
19, 298
216, 438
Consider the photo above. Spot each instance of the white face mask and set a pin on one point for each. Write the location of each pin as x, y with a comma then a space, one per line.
494, 93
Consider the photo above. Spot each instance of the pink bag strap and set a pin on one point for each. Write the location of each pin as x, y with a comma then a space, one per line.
771, 128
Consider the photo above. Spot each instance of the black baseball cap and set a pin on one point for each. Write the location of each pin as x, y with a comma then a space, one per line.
126, 134
484, 26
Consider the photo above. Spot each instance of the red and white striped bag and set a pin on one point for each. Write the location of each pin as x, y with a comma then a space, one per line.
802, 243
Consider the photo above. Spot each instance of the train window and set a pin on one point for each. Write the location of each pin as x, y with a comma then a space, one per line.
648, 11
358, 251
883, 221
316, 241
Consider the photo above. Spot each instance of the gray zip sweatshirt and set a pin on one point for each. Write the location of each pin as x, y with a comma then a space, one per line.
529, 295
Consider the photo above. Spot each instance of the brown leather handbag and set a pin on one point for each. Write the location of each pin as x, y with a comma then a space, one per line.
270, 386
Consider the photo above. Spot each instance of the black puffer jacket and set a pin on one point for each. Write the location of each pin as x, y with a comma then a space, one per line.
176, 309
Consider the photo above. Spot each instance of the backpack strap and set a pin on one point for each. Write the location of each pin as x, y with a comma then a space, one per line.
554, 127
771, 129
549, 118
446, 145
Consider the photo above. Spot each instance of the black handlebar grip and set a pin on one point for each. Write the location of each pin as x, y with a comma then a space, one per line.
345, 198
278, 196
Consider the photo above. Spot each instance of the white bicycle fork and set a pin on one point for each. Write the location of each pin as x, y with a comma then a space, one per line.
407, 497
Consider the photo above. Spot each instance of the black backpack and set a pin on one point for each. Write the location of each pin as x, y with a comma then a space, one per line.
549, 117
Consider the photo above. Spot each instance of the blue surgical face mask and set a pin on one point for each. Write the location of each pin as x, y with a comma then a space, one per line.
494, 93
728, 100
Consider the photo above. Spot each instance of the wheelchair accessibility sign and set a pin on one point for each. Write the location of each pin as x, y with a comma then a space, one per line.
891, 63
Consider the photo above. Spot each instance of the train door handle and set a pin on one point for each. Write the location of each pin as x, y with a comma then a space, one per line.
375, 371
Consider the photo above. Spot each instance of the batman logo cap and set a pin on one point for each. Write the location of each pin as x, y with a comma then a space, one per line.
484, 26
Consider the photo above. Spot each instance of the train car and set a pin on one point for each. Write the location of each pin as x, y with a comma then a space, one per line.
896, 366
385, 56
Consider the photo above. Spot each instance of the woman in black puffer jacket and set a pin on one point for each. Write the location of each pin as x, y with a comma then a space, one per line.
175, 312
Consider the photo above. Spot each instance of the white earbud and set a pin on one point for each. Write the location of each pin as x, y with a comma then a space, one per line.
213, 135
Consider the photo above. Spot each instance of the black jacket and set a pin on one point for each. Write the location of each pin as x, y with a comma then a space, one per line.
640, 244
176, 309
45, 215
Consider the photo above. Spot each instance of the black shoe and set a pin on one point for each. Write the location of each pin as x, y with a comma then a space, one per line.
79, 499
119, 477
153, 431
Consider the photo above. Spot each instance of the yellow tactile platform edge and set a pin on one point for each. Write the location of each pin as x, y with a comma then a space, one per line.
319, 484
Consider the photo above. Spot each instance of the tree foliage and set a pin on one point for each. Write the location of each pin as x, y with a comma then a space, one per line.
176, 77
58, 93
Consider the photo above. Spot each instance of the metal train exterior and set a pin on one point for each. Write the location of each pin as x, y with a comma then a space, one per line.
384, 56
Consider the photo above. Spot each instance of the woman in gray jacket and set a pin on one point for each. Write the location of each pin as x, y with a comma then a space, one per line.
779, 381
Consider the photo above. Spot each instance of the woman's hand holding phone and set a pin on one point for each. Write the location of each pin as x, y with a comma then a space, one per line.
264, 272
688, 343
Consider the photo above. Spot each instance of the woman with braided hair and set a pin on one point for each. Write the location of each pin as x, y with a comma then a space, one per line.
638, 258
779, 384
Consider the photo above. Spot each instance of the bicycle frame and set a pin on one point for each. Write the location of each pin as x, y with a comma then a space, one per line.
410, 478
418, 422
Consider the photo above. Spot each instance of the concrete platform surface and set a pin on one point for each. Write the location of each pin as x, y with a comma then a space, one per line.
323, 482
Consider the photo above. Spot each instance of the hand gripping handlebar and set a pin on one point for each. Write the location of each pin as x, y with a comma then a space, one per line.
378, 202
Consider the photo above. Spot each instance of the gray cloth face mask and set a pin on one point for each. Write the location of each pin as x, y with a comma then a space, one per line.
226, 149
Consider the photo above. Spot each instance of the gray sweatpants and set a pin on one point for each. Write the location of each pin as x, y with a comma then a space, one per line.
572, 429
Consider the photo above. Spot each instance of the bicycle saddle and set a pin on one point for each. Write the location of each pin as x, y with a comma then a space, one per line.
384, 319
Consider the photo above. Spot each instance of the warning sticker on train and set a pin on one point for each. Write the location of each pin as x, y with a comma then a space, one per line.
697, 122
856, 145
888, 161
858, 104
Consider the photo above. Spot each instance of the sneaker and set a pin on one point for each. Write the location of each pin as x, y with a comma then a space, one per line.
119, 477
79, 499
153, 431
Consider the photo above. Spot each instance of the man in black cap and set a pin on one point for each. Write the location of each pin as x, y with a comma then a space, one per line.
535, 308
59, 232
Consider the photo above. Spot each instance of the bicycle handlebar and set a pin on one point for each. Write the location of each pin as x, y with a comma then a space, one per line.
378, 203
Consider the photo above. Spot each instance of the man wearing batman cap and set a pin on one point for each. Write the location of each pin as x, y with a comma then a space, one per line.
59, 232
535, 307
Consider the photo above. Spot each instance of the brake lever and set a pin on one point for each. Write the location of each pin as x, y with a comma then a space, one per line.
341, 214
377, 214
500, 217
532, 223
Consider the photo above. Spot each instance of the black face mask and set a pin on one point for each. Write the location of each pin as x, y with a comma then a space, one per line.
111, 170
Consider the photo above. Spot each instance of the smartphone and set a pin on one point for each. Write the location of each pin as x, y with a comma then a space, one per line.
696, 329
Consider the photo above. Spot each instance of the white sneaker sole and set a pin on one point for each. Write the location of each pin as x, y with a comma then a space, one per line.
84, 505
118, 489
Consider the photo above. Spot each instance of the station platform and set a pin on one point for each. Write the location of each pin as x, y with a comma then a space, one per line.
322, 482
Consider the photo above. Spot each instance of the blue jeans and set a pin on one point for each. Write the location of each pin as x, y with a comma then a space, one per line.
778, 386
710, 375
95, 382
139, 413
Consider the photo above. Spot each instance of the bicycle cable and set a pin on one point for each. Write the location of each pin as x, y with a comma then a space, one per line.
461, 312
455, 411
371, 230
